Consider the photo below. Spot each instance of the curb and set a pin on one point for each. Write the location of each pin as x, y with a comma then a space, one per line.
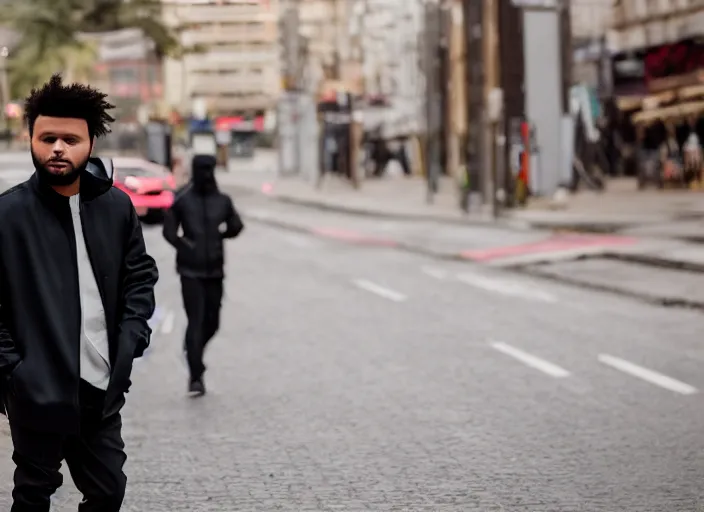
351, 238
670, 302
357, 239
503, 222
655, 261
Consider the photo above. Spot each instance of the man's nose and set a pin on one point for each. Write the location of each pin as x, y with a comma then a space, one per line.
59, 147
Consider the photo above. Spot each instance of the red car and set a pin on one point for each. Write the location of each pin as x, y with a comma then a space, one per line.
150, 186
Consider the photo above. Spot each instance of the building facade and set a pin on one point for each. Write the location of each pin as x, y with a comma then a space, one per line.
591, 21
231, 59
656, 46
128, 69
640, 24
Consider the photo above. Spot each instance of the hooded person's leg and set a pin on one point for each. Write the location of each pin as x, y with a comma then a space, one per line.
193, 291
213, 304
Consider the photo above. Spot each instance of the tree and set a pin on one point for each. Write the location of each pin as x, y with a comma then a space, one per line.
50, 29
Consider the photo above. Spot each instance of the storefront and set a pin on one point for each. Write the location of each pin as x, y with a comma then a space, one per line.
659, 95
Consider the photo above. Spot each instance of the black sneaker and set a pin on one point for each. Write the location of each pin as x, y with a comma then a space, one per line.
196, 388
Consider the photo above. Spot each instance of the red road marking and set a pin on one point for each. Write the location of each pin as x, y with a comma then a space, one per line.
555, 244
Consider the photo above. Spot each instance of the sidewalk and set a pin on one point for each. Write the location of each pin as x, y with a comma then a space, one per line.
395, 197
378, 214
672, 214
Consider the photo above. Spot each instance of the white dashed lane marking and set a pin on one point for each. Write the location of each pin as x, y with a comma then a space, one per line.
530, 360
647, 375
379, 290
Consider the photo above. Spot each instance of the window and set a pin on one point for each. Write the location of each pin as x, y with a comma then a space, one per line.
124, 75
641, 9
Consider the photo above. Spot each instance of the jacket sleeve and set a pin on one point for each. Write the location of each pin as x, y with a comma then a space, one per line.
234, 225
140, 276
172, 221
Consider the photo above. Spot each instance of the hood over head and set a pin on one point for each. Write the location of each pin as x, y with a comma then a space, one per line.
203, 174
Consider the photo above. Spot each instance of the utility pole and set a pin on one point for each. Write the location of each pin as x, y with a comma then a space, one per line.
434, 115
512, 80
289, 151
289, 22
474, 85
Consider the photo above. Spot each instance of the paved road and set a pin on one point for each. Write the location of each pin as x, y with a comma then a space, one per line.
351, 378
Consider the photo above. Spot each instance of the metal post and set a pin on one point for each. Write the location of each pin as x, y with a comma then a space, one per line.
474, 84
494, 170
433, 97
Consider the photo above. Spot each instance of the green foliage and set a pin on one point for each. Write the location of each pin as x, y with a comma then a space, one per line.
49, 29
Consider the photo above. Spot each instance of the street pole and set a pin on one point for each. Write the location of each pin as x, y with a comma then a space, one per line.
474, 86
544, 90
433, 98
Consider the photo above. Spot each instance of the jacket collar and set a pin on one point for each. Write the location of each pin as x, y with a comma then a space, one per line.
96, 179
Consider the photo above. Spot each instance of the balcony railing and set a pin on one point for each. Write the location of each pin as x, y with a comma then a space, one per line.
234, 103
624, 18
214, 34
234, 59
217, 13
238, 83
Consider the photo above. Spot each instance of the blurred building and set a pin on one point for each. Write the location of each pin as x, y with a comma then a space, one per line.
128, 69
656, 46
640, 24
591, 21
392, 42
232, 60
370, 48
318, 27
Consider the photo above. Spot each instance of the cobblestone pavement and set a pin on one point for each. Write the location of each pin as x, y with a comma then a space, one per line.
351, 378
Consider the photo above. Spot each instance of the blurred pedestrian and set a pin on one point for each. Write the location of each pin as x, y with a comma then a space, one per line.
76, 291
200, 210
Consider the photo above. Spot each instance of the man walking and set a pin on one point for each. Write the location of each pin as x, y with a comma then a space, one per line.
76, 291
201, 211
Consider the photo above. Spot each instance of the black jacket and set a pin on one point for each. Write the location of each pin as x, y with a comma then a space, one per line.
200, 210
40, 310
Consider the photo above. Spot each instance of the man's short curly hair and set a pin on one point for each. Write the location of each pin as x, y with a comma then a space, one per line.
78, 101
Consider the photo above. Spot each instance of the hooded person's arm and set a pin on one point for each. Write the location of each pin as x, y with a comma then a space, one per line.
233, 223
172, 221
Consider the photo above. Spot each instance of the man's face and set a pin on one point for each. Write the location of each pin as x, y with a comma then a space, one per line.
60, 148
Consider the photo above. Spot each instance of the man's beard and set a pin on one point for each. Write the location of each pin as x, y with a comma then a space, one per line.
58, 180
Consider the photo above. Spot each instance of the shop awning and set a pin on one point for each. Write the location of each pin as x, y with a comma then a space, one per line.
629, 102
669, 113
693, 91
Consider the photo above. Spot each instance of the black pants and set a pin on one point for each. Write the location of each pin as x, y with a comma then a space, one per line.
202, 299
94, 458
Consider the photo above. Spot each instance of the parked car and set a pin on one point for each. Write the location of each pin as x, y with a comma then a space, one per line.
150, 186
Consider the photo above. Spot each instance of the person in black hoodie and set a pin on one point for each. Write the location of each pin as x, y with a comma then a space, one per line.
76, 292
206, 217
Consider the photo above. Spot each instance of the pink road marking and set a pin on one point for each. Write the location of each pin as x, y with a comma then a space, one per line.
353, 237
556, 244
